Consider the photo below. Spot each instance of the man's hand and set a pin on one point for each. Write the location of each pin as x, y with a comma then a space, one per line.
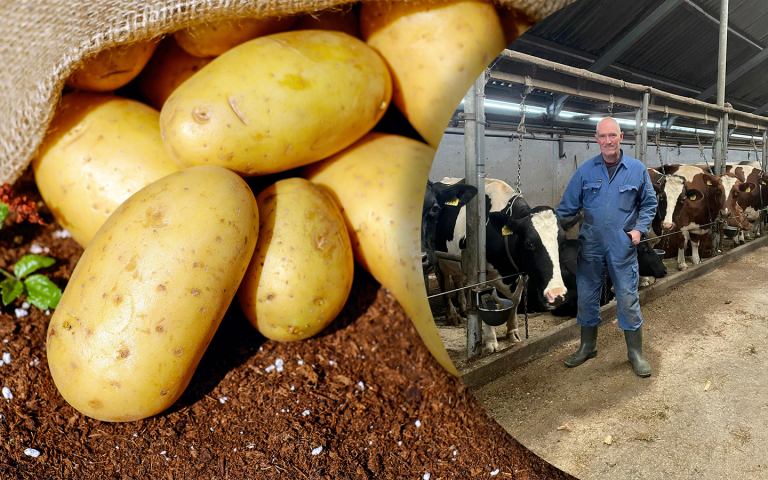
634, 235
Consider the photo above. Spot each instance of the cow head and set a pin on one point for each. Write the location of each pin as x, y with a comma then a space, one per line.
715, 195
739, 198
650, 264
658, 182
436, 198
673, 188
535, 239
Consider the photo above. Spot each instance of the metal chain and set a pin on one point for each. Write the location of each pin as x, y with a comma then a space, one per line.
521, 134
701, 150
754, 146
658, 150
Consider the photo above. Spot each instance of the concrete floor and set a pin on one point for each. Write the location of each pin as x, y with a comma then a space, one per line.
703, 413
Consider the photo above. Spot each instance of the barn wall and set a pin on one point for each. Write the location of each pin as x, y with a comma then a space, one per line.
540, 185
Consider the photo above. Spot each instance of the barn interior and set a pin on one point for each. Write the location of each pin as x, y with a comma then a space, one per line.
688, 82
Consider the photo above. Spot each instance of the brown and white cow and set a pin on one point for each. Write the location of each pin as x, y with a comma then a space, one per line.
739, 194
694, 200
754, 193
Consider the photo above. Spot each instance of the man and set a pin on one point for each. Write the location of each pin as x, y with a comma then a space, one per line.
619, 203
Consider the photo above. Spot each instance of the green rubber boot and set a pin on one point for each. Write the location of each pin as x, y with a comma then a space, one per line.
587, 348
635, 352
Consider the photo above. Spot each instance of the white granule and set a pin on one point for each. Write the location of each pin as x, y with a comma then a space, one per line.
455, 452
305, 413
20, 312
5, 340
224, 399
7, 393
279, 365
61, 234
293, 388
135, 434
418, 423
117, 448
191, 447
331, 362
25, 306
400, 443
47, 312
31, 452
7, 357
426, 476
495, 472
370, 442
282, 410
211, 428
163, 452
269, 368
301, 362
36, 249
361, 385
317, 451
261, 349
46, 250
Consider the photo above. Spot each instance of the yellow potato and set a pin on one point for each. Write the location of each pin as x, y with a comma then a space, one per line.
436, 50
346, 22
277, 102
113, 68
100, 150
213, 39
301, 272
380, 182
149, 292
169, 67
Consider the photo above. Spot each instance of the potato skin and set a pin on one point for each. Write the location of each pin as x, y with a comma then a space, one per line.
114, 67
100, 150
436, 50
213, 39
301, 272
169, 67
380, 182
149, 292
277, 102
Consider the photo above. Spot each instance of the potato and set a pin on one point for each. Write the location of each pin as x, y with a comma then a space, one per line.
213, 39
100, 150
113, 68
149, 292
277, 102
380, 183
436, 50
169, 67
301, 272
346, 22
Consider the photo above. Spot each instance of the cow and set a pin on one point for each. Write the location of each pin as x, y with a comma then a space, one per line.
754, 196
694, 200
451, 237
524, 240
436, 198
739, 199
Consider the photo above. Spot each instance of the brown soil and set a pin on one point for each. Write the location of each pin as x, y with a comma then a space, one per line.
239, 418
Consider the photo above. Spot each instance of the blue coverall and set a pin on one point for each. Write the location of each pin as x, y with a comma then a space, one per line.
612, 207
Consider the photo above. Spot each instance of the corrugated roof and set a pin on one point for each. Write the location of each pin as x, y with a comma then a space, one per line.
679, 53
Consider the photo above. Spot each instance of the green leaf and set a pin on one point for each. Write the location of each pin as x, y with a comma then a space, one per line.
3, 215
10, 289
42, 292
30, 263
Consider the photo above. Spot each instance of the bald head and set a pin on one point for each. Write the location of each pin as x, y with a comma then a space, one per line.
609, 136
607, 121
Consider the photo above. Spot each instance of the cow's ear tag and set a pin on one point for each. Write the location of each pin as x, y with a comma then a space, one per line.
748, 189
709, 183
692, 196
762, 182
506, 231
453, 202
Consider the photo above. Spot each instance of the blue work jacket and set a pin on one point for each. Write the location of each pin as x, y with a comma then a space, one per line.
627, 201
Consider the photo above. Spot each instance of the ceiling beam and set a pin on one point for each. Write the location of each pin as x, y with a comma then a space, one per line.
622, 45
736, 74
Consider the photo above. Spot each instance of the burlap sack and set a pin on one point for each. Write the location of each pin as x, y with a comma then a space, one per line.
43, 41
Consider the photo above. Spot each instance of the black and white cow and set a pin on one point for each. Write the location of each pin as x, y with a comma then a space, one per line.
437, 197
451, 238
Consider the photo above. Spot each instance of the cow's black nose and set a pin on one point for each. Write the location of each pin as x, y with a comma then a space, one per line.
424, 258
